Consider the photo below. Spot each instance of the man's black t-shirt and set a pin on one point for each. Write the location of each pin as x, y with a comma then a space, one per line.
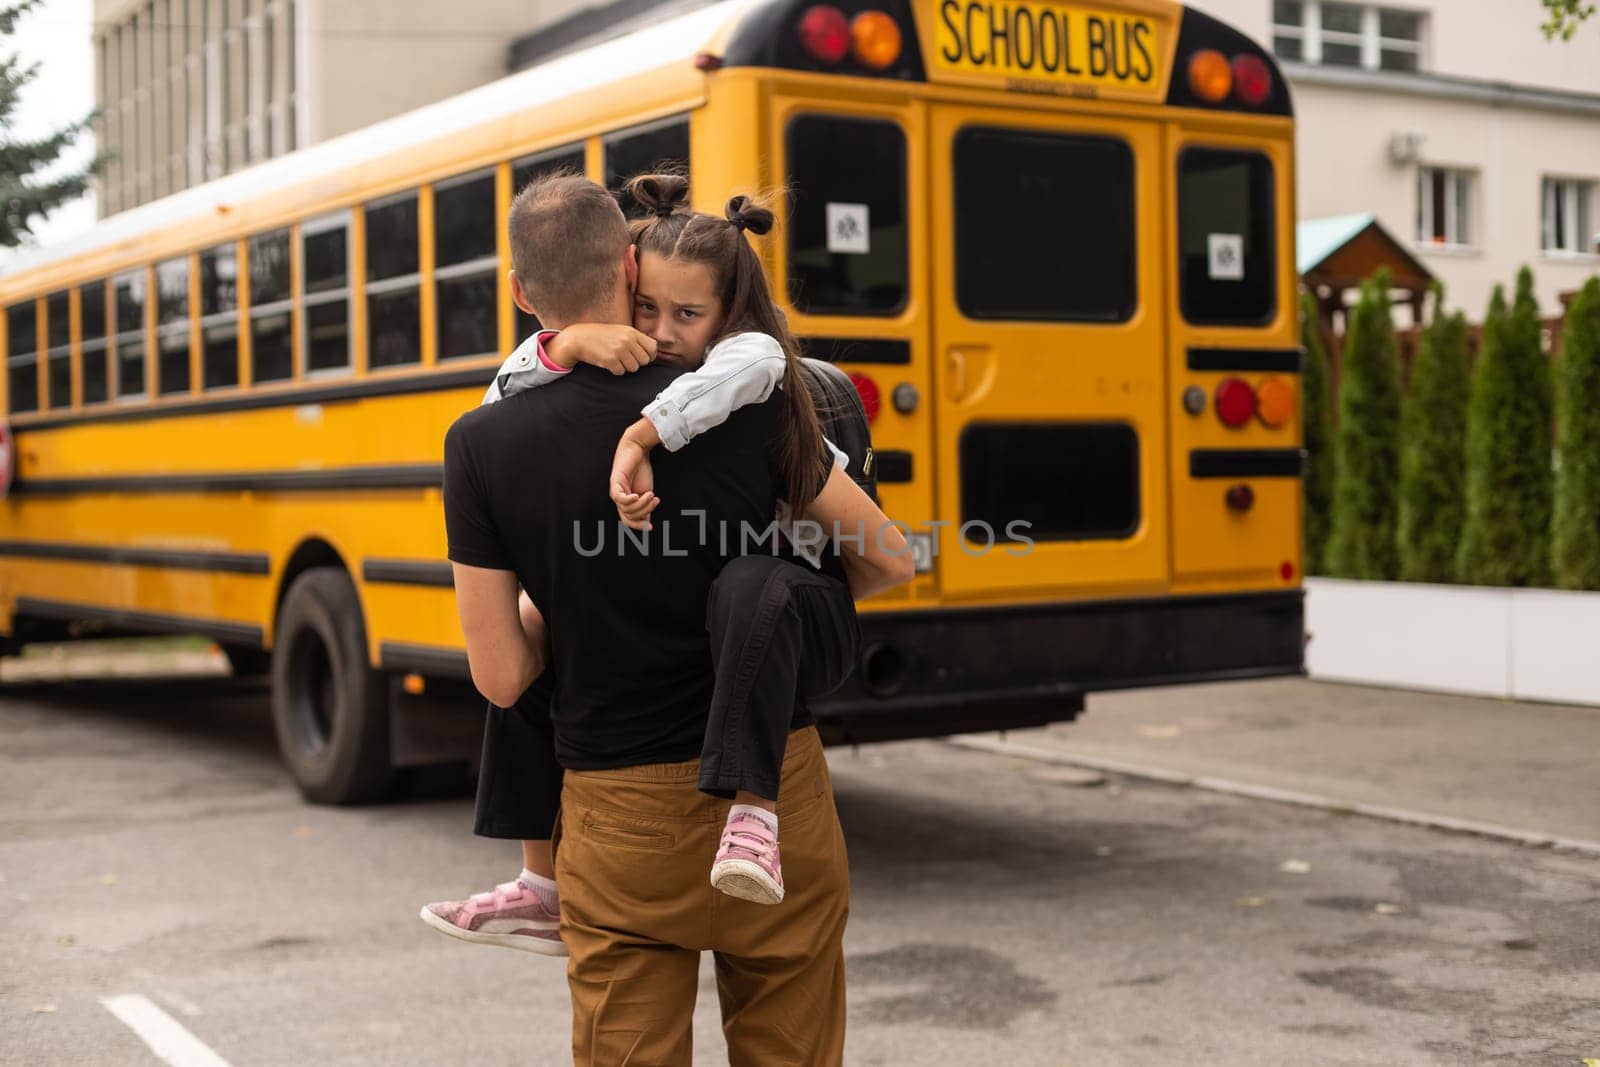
525, 490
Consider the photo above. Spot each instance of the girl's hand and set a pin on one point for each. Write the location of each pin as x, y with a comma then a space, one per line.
633, 483
618, 349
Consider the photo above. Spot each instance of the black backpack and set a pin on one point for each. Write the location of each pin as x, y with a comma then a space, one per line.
844, 420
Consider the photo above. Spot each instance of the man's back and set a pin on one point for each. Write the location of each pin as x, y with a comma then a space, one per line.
526, 491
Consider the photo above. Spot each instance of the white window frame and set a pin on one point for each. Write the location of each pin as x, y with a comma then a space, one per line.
1576, 197
1369, 40
1460, 179
311, 228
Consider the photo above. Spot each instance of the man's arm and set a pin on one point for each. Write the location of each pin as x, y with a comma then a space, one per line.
881, 559
504, 652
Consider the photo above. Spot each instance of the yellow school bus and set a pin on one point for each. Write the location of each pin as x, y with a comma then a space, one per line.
1050, 241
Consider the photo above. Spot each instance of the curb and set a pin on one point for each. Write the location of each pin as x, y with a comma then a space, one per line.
1330, 805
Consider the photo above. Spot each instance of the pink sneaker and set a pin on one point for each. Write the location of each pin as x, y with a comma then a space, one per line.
747, 863
510, 915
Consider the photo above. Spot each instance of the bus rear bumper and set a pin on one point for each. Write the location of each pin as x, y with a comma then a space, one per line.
945, 671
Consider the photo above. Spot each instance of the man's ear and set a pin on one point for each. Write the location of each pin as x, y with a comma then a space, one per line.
630, 267
518, 296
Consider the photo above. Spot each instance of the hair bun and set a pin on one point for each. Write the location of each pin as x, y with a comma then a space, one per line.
747, 214
661, 194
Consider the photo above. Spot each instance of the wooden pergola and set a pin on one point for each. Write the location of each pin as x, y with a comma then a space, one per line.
1335, 255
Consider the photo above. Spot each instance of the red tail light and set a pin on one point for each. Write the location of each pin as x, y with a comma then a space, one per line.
825, 33
1236, 402
1252, 80
867, 389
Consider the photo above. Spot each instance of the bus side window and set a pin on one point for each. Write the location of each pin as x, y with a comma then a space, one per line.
219, 316
524, 171
847, 226
172, 324
129, 298
271, 351
394, 283
325, 251
1044, 226
92, 333
22, 356
466, 270
58, 327
1227, 242
658, 147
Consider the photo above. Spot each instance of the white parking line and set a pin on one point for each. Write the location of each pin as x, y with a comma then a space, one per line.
166, 1038
1042, 754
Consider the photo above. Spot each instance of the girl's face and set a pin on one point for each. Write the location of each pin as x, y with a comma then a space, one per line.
676, 304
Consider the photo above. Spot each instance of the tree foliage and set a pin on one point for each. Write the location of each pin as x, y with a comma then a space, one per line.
26, 193
1563, 17
1506, 538
1575, 529
1433, 443
1318, 436
1361, 543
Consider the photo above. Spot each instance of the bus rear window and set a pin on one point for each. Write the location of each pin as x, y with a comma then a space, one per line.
847, 225
1044, 227
1226, 240
1091, 469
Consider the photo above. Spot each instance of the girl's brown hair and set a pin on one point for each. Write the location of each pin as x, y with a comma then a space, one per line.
673, 231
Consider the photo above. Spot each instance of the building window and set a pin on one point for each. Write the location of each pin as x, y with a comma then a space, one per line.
271, 304
1338, 34
22, 356
58, 357
92, 341
394, 283
219, 317
1444, 207
1568, 216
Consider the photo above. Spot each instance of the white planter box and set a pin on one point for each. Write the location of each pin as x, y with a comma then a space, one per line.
1528, 644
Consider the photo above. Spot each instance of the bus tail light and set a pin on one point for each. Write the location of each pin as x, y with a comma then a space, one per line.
825, 33
1252, 81
1241, 498
1210, 75
1236, 402
867, 389
875, 40
1275, 403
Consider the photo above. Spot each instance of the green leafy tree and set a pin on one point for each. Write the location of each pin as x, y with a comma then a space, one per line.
1563, 17
25, 196
1506, 538
1367, 445
1575, 530
1433, 434
1318, 436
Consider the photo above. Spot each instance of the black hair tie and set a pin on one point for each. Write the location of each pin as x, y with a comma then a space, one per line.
737, 222
663, 210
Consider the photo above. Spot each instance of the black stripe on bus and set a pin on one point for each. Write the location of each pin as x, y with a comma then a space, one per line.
1286, 360
857, 349
219, 562
1246, 462
423, 659
328, 394
398, 476
228, 633
892, 465
426, 572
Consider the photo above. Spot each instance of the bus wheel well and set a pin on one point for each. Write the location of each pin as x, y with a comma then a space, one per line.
312, 553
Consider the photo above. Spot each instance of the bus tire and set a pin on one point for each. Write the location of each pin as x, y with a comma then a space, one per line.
330, 709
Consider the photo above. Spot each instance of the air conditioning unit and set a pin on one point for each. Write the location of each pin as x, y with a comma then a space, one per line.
1406, 146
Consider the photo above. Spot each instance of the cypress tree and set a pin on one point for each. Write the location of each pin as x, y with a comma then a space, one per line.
24, 196
1575, 530
1433, 432
1505, 540
1318, 436
1367, 444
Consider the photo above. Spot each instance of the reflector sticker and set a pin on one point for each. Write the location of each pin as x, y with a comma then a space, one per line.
1225, 257
848, 230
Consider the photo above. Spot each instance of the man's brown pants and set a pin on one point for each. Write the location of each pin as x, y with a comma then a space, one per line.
634, 849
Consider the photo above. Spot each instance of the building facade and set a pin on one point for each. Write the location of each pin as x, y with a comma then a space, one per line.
1471, 137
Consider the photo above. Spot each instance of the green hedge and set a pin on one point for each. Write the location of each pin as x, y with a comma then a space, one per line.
1433, 432
1575, 530
1318, 436
1506, 537
1362, 541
